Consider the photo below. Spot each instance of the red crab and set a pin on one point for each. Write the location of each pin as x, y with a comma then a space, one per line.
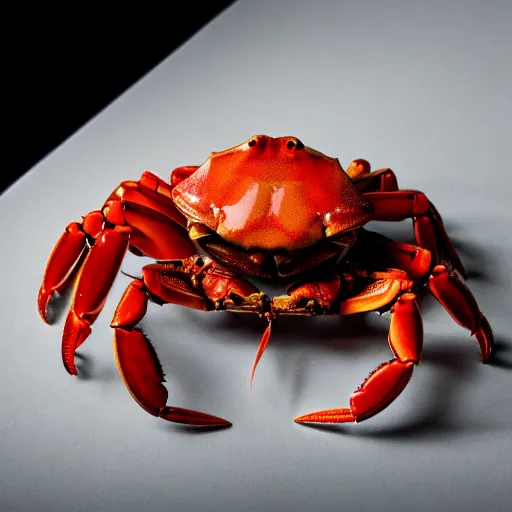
269, 208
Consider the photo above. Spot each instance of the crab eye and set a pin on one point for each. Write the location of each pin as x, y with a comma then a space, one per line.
294, 144
258, 141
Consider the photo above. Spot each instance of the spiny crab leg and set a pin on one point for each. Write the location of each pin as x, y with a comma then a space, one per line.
455, 297
387, 381
406, 333
197, 283
138, 363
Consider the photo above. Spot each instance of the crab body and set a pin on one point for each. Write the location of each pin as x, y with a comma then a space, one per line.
271, 193
270, 208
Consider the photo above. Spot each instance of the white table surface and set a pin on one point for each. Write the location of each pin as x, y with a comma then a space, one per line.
422, 87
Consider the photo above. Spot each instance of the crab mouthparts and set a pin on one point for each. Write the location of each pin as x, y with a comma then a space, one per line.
263, 345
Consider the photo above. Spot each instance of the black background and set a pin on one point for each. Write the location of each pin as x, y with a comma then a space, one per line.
63, 67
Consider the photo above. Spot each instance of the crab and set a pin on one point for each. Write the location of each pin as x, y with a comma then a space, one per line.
267, 209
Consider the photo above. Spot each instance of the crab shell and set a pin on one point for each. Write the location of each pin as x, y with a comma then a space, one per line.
272, 193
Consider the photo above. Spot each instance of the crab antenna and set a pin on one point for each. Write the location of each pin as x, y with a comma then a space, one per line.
263, 345
129, 275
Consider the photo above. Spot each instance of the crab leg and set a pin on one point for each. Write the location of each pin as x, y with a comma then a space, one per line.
405, 338
376, 249
181, 173
139, 216
428, 226
196, 283
158, 228
382, 180
456, 298
137, 360
328, 296
65, 259
94, 282
387, 381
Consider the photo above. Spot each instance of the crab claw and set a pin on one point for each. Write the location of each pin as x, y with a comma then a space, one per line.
75, 333
328, 416
451, 292
59, 270
93, 284
189, 417
388, 380
142, 373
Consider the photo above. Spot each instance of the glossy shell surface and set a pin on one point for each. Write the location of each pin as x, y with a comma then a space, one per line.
270, 193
